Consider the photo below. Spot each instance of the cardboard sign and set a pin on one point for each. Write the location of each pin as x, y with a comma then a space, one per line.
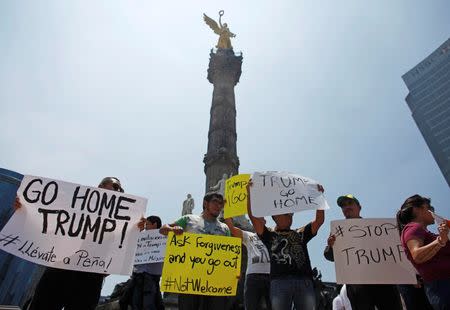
75, 227
236, 195
274, 193
369, 251
201, 264
151, 247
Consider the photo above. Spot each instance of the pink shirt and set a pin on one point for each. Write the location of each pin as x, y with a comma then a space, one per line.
438, 267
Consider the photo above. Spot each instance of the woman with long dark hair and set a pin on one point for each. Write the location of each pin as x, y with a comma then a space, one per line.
429, 253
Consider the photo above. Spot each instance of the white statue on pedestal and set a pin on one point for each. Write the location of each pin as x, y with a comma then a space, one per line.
188, 205
220, 186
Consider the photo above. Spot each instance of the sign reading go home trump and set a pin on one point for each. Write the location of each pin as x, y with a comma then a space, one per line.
201, 264
70, 226
275, 193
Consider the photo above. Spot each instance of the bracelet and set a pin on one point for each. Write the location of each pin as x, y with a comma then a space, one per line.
439, 242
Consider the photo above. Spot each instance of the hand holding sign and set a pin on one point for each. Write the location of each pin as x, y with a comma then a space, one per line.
331, 240
17, 203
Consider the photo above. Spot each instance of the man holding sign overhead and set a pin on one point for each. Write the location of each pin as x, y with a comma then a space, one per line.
279, 194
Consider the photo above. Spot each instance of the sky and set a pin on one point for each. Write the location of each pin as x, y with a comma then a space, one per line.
118, 88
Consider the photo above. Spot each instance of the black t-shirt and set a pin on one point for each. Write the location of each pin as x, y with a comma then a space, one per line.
288, 251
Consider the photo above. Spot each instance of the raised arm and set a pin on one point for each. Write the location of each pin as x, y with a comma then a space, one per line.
318, 221
328, 253
175, 227
422, 253
320, 215
258, 223
235, 232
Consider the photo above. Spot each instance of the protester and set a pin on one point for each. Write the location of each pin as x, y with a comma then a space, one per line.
69, 289
257, 276
364, 296
143, 291
206, 223
290, 268
429, 253
341, 301
414, 296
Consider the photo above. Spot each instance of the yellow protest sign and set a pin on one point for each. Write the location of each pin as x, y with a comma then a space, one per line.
201, 264
236, 195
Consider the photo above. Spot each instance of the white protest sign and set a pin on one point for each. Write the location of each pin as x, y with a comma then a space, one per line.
151, 247
275, 193
369, 251
70, 226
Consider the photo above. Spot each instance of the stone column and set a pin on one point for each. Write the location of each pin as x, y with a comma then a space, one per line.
224, 72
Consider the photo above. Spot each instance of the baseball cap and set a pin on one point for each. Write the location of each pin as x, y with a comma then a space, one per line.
343, 199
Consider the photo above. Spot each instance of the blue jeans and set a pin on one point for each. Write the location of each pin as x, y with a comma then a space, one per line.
257, 289
146, 292
290, 290
414, 297
68, 289
438, 293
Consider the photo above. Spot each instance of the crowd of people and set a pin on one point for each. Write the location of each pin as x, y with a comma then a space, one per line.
279, 274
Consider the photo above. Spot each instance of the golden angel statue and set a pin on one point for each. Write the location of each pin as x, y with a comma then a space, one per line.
222, 30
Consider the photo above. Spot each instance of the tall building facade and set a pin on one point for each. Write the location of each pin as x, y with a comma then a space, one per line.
18, 277
429, 102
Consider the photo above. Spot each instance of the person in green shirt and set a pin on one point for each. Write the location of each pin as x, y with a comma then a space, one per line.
205, 223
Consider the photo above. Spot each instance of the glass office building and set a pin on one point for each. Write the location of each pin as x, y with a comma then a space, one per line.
18, 277
429, 102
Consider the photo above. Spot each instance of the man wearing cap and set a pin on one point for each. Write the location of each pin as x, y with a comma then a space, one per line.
363, 296
70, 289
205, 223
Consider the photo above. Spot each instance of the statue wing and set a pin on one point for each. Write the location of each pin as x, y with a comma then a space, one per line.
211, 23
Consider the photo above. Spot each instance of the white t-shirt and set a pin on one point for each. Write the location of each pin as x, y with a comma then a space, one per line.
341, 301
258, 256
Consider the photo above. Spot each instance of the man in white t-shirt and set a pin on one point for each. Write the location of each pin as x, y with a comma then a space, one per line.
257, 276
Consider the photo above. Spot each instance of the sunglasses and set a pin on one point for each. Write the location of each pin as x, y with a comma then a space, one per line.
116, 187
431, 208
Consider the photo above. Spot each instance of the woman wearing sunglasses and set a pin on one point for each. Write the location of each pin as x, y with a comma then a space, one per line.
428, 252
